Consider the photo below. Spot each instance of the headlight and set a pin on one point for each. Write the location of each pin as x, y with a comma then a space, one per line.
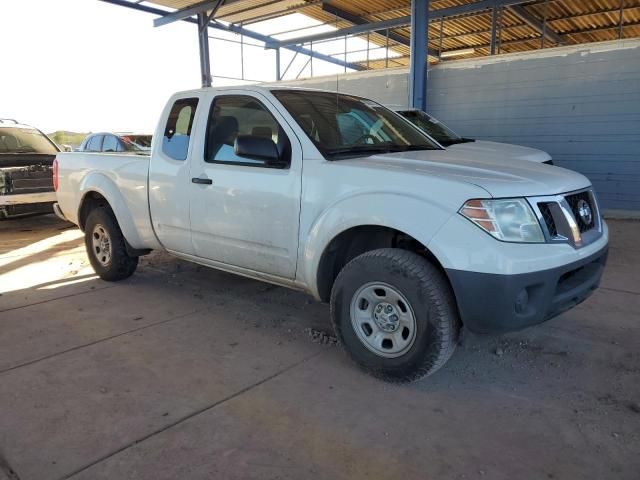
509, 220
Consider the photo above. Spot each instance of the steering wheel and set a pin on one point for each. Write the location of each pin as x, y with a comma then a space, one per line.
365, 136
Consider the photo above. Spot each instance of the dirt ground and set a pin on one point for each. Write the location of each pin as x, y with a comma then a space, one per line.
182, 372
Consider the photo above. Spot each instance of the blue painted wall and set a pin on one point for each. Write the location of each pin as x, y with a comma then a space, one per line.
581, 104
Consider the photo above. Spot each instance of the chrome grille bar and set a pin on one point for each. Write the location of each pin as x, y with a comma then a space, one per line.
558, 220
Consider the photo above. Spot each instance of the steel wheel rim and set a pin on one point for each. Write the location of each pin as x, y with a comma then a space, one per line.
101, 243
373, 308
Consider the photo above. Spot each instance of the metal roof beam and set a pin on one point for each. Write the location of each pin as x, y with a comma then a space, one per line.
536, 24
269, 41
356, 20
399, 21
240, 31
186, 12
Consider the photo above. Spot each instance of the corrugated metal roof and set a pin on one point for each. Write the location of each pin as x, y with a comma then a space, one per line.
576, 21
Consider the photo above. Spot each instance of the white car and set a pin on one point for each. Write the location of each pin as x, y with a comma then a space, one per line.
340, 197
449, 139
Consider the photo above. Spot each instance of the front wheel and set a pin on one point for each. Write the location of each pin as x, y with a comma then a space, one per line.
106, 246
395, 314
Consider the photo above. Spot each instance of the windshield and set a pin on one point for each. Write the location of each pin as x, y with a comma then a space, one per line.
25, 140
432, 127
343, 126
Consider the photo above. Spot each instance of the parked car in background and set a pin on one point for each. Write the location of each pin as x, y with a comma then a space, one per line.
340, 197
116, 142
449, 139
26, 177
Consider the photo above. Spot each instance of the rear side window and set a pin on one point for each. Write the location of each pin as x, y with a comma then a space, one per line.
95, 144
177, 132
110, 143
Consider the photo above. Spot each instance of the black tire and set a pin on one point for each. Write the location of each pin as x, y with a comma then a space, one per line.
437, 324
120, 265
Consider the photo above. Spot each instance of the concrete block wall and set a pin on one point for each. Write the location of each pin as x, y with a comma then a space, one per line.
581, 104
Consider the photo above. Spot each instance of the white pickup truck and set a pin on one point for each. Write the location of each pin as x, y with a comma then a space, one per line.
340, 197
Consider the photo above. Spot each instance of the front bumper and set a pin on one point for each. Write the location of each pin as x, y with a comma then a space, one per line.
494, 303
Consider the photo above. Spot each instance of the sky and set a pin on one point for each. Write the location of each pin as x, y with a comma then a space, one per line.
85, 65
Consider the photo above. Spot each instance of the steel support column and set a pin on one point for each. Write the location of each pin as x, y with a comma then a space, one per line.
494, 30
278, 77
418, 65
203, 44
621, 21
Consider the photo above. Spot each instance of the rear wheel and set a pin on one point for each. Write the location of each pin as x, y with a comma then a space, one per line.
395, 314
106, 246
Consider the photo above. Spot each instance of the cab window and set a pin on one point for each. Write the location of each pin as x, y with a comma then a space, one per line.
177, 132
233, 115
95, 144
110, 144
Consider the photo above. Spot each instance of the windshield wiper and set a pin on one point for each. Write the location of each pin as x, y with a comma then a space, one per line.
380, 148
456, 141
412, 148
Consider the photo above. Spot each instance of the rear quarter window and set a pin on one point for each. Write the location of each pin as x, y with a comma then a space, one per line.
95, 144
110, 143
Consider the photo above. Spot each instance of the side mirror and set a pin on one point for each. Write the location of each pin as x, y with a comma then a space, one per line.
258, 148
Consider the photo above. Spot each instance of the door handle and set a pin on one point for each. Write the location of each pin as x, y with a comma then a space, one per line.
201, 181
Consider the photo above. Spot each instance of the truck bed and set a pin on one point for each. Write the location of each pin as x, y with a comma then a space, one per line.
123, 178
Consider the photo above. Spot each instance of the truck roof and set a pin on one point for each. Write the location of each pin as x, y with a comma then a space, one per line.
260, 88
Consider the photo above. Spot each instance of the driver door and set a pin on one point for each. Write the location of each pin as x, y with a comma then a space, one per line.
245, 212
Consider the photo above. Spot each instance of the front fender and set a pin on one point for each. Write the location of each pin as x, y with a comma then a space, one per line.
412, 215
102, 184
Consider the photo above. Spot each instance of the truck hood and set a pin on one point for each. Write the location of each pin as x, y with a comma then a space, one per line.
500, 175
503, 149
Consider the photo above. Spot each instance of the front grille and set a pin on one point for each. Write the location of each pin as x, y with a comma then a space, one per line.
545, 210
583, 210
571, 218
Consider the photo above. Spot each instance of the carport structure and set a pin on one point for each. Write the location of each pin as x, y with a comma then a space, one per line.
408, 32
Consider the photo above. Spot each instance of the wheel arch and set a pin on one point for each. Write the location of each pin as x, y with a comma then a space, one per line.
371, 219
355, 241
90, 200
97, 189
